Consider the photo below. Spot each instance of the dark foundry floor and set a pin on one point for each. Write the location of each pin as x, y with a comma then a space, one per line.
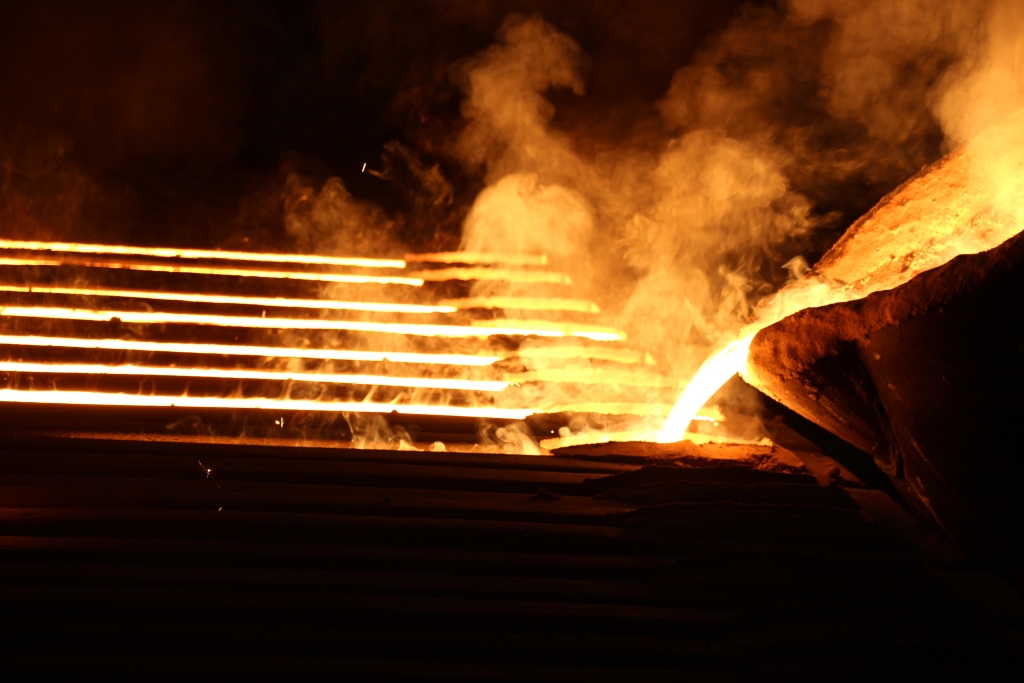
121, 556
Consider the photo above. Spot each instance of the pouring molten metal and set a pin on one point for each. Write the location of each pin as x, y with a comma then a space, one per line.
965, 203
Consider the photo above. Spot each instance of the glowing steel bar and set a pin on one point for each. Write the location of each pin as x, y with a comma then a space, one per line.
525, 304
416, 329
592, 376
477, 258
170, 252
504, 274
595, 332
192, 297
240, 374
257, 351
96, 398
639, 409
568, 351
211, 270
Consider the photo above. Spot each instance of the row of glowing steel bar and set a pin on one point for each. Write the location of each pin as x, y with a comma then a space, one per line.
478, 329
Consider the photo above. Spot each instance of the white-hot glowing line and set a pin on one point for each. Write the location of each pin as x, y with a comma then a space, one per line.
477, 258
276, 302
255, 351
245, 374
525, 304
170, 252
572, 352
97, 398
594, 332
415, 329
715, 372
503, 274
212, 270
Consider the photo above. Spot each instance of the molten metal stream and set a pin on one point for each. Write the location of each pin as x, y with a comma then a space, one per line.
242, 374
511, 328
166, 252
715, 372
257, 351
93, 398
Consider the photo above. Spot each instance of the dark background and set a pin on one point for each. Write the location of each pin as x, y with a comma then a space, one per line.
179, 122
170, 122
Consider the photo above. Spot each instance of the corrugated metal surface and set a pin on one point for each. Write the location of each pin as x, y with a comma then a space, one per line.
201, 559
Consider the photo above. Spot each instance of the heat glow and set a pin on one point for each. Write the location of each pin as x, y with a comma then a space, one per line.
715, 372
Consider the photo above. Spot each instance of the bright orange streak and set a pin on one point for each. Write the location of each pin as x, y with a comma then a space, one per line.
504, 274
715, 372
145, 317
525, 304
595, 332
210, 270
568, 351
241, 374
94, 398
241, 300
641, 409
258, 351
592, 376
477, 258
166, 252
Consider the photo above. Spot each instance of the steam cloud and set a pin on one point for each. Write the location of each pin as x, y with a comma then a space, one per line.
780, 132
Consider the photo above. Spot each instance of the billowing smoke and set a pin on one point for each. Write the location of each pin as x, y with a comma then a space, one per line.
783, 129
